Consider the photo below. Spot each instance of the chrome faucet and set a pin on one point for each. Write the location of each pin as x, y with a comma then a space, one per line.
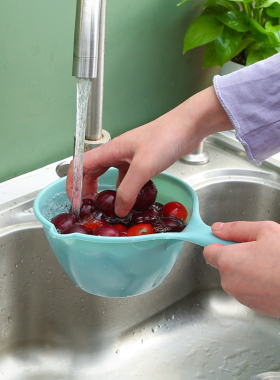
88, 63
199, 157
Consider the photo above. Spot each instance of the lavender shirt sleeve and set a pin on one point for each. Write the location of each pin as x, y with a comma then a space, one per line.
251, 98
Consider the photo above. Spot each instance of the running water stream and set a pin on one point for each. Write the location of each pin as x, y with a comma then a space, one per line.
83, 91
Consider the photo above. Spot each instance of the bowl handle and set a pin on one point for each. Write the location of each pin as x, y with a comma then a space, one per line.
201, 234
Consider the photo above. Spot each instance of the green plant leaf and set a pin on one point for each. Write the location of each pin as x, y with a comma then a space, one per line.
182, 2
256, 27
256, 53
253, 57
223, 3
261, 36
242, 46
268, 52
274, 10
210, 58
227, 43
275, 29
235, 20
252, 46
243, 1
266, 4
202, 30
264, 41
214, 10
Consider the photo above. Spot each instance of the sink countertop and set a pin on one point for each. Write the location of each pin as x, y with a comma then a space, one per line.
27, 183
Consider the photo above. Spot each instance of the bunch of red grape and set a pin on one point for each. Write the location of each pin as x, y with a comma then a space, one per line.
97, 217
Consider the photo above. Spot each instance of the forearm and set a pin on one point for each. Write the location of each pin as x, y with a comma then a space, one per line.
189, 123
207, 114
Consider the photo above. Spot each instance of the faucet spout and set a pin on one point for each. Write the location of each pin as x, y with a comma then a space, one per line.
88, 63
86, 39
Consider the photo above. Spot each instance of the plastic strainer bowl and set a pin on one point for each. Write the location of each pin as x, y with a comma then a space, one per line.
123, 266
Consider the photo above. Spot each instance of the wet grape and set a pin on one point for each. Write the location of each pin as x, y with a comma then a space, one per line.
79, 228
64, 220
146, 197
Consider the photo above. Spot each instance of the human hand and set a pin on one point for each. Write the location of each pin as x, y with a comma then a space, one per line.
139, 155
250, 270
143, 152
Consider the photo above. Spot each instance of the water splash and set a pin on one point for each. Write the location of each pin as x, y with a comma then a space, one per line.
83, 90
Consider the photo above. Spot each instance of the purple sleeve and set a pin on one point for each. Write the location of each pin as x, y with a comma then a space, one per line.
251, 98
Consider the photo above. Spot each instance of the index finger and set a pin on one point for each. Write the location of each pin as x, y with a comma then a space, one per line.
90, 182
95, 163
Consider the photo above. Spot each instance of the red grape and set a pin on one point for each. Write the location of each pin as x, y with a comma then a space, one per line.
107, 231
175, 224
146, 197
105, 202
88, 206
146, 216
77, 228
64, 220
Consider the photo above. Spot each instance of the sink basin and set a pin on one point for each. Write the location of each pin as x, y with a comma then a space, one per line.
186, 328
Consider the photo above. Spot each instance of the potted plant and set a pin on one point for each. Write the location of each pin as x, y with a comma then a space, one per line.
243, 31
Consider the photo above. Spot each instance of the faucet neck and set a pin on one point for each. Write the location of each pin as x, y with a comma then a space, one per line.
86, 39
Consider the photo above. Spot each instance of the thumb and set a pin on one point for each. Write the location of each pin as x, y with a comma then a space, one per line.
237, 231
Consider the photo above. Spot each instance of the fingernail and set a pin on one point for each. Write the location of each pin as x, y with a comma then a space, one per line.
217, 226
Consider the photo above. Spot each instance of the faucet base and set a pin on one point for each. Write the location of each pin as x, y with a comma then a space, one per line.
91, 144
198, 157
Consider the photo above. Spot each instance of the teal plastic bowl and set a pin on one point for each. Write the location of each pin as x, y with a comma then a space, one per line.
122, 266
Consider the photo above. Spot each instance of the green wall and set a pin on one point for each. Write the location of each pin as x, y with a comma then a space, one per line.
145, 73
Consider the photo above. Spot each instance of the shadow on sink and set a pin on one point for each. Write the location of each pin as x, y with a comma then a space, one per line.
186, 328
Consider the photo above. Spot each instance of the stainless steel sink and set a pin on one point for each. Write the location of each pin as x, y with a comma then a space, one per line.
186, 328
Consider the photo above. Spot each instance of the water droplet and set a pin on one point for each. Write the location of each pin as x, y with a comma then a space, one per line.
9, 319
118, 352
